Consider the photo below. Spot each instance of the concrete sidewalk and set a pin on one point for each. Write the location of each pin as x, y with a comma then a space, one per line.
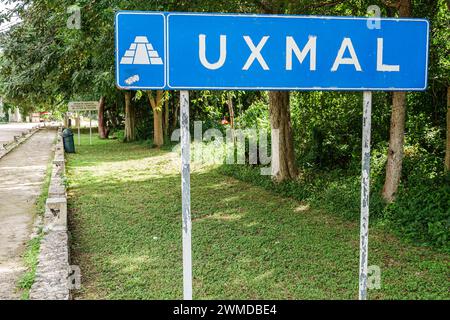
22, 174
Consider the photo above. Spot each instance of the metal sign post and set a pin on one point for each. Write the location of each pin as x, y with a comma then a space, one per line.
79, 124
90, 127
186, 194
365, 194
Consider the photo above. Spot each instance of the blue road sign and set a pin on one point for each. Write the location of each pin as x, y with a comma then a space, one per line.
140, 50
268, 52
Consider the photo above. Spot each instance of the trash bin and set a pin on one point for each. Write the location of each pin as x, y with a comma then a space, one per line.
69, 145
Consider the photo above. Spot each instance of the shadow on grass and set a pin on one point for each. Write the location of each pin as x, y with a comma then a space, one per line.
109, 150
248, 243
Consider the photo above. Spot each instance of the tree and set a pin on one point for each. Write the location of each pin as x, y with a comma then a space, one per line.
166, 116
230, 108
284, 166
102, 130
156, 102
130, 118
440, 70
397, 129
447, 146
279, 102
176, 106
26, 63
283, 156
395, 149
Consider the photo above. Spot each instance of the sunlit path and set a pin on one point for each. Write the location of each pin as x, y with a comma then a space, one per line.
22, 174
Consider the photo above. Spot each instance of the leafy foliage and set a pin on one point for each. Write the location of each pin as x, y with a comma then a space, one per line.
44, 64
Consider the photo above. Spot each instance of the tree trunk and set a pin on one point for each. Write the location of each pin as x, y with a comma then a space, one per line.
283, 156
158, 137
130, 118
102, 132
113, 116
175, 113
395, 150
231, 110
404, 8
156, 104
447, 148
166, 116
397, 130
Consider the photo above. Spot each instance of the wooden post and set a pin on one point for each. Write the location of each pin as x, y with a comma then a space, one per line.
365, 194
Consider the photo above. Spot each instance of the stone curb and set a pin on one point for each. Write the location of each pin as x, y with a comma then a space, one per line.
53, 270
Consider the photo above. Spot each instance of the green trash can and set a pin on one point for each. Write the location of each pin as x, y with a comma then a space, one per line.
69, 145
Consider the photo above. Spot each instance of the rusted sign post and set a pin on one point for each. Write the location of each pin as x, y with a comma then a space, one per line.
365, 194
90, 127
79, 131
186, 194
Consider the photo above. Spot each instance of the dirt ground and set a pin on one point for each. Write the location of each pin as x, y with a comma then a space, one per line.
22, 174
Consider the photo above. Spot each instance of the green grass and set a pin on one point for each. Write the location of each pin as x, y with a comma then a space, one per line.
30, 257
420, 214
247, 242
31, 254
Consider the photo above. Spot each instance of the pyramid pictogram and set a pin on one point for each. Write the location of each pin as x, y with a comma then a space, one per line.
141, 52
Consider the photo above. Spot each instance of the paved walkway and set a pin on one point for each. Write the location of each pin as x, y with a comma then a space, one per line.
22, 174
8, 131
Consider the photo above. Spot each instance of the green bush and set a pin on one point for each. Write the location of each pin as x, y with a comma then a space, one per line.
119, 135
420, 214
256, 116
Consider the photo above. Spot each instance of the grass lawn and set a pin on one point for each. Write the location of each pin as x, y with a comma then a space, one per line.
248, 243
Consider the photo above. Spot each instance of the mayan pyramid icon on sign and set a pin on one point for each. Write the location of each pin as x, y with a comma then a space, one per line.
141, 52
